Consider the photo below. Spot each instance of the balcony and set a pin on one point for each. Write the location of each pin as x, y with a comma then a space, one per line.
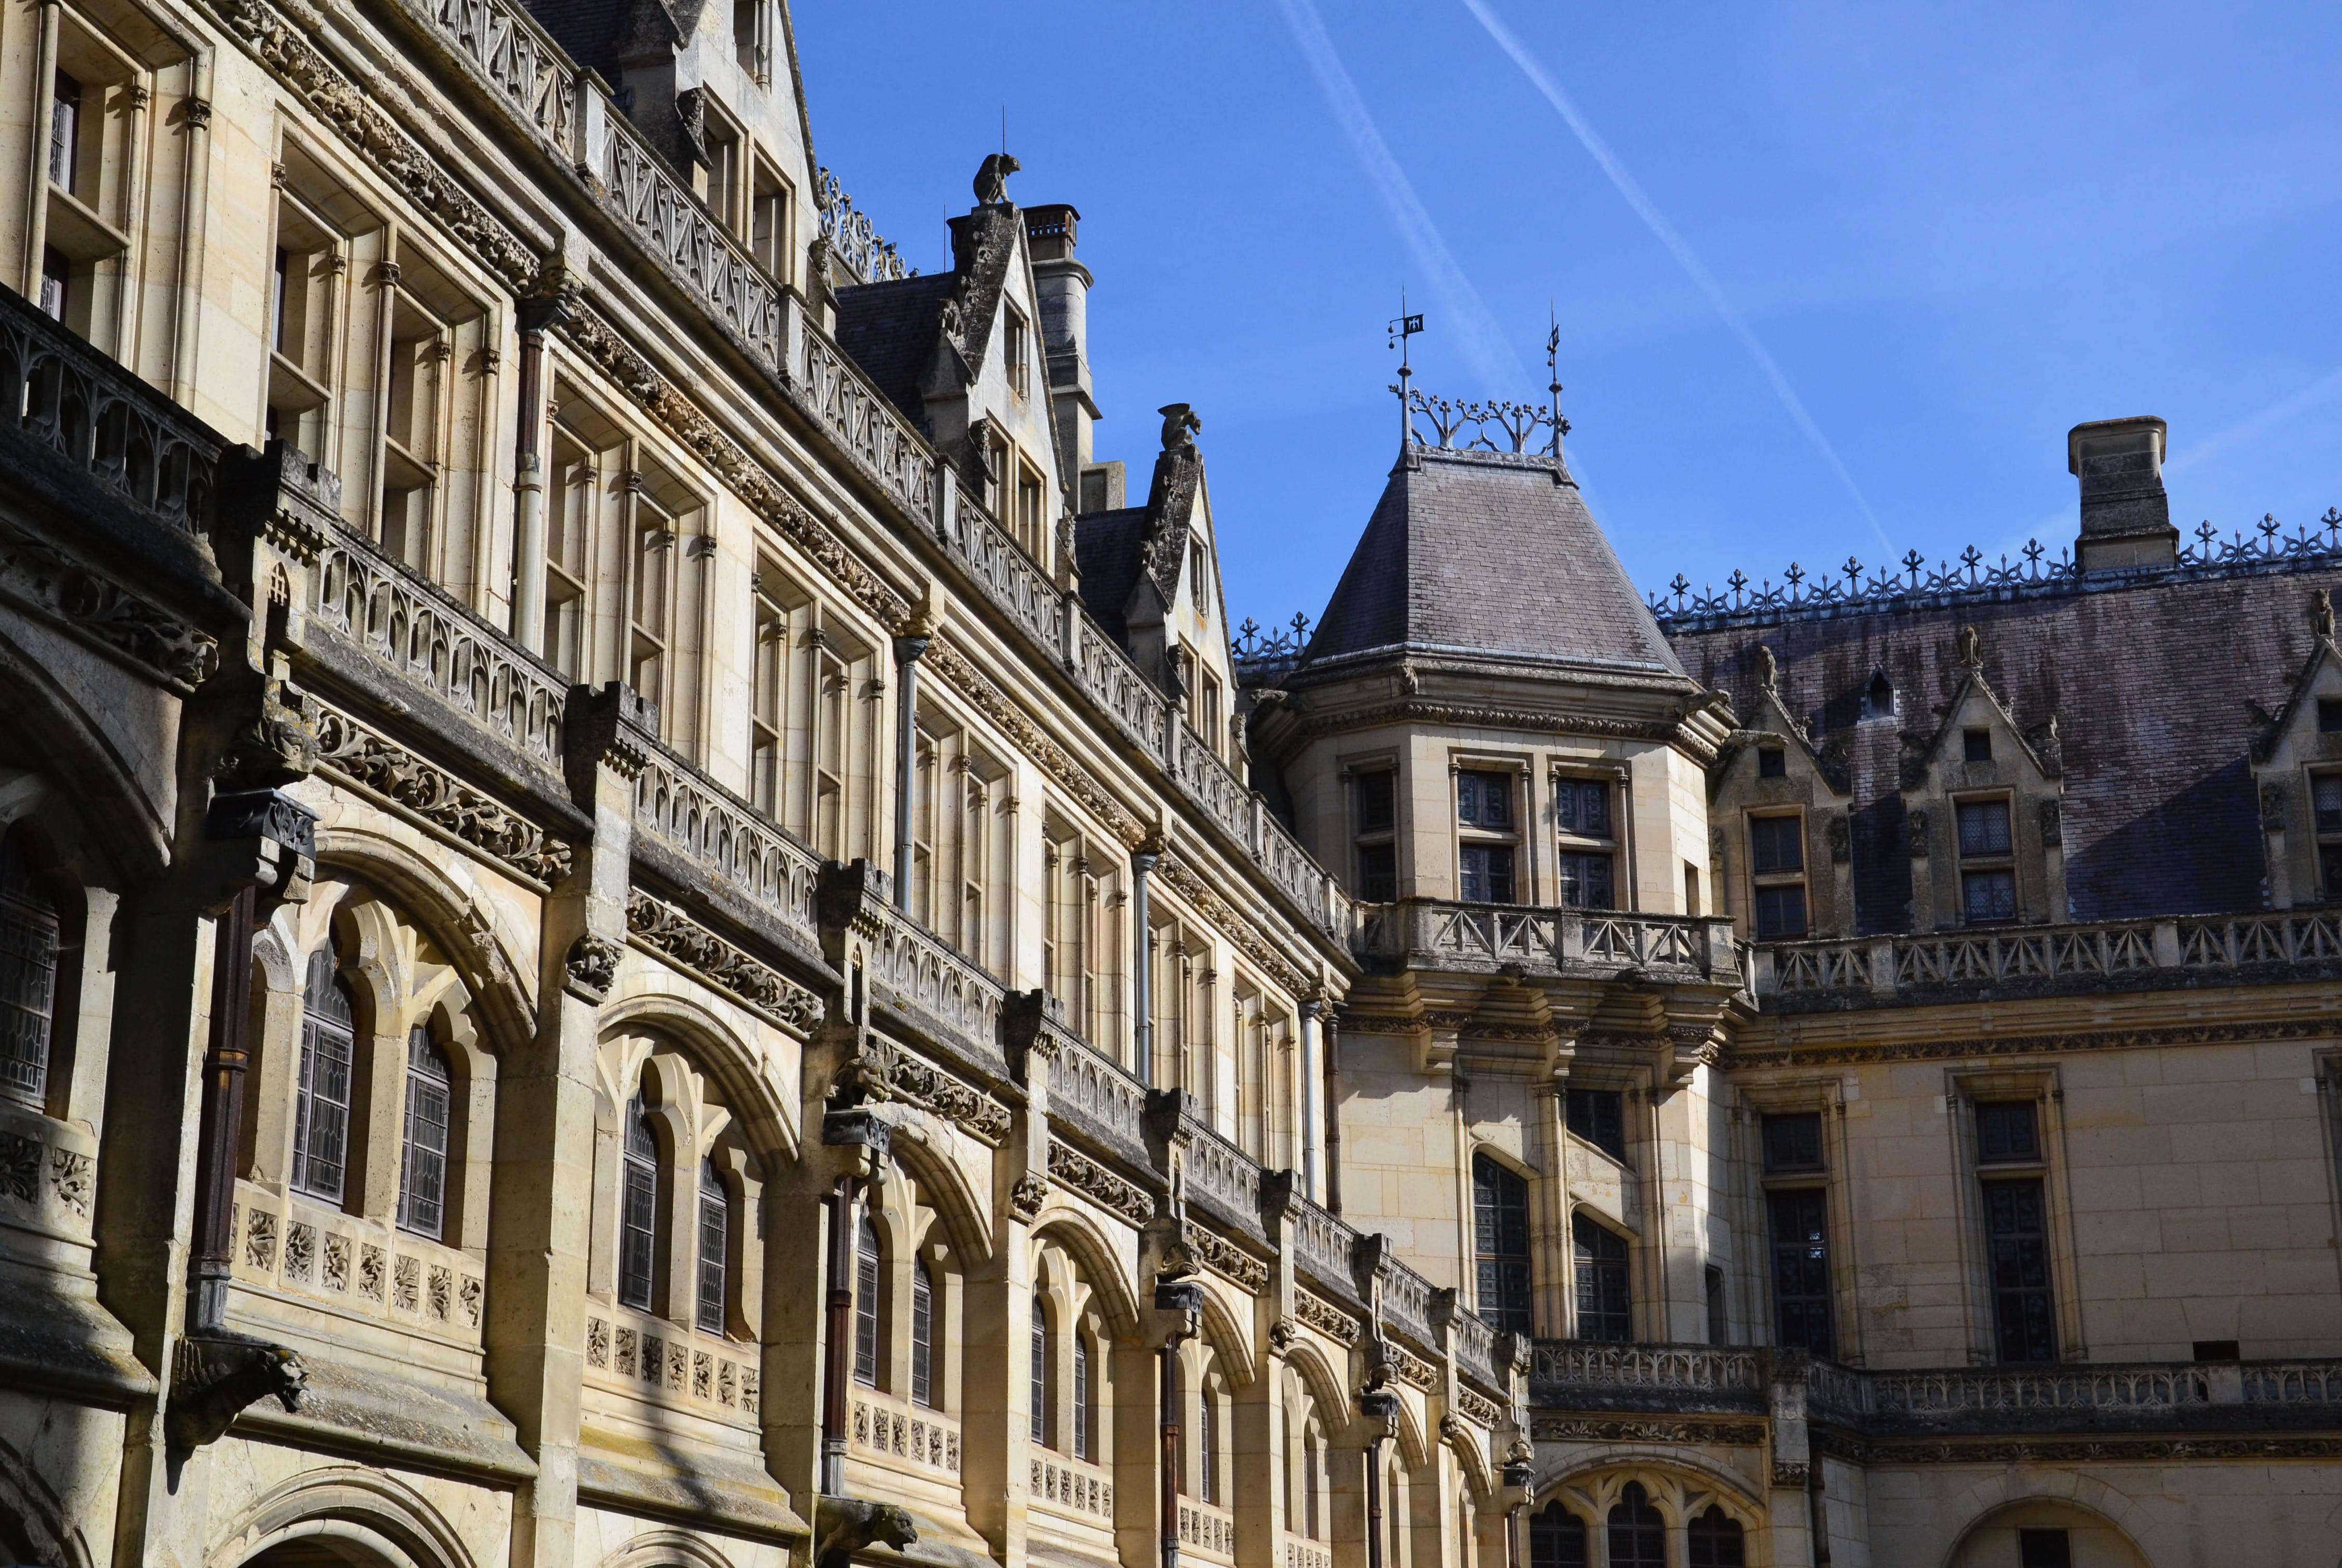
1571, 1378
1563, 944
2284, 946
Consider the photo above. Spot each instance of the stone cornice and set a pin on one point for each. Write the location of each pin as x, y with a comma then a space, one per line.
1857, 1052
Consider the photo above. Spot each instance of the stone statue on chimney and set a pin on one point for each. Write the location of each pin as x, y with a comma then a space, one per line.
992, 180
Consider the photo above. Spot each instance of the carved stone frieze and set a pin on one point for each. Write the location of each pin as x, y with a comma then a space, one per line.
973, 1112
96, 608
1631, 1429
1226, 1258
1326, 1318
348, 748
2122, 1450
1100, 1185
1027, 1196
1477, 1408
692, 947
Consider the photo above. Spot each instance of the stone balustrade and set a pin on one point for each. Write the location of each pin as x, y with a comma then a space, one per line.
726, 837
1952, 966
1073, 1486
1206, 1530
1486, 938
670, 1365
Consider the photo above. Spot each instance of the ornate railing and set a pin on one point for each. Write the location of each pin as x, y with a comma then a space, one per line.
1114, 683
1495, 425
1433, 932
1406, 1300
672, 221
1100, 1090
678, 803
2293, 1382
1964, 1389
1222, 1172
58, 393
504, 43
2047, 957
1475, 1350
1695, 1369
1207, 1529
851, 240
1003, 570
1321, 1243
1854, 588
930, 976
425, 636
1212, 784
867, 424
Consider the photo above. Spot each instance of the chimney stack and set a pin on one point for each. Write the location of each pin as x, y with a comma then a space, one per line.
1063, 285
2125, 516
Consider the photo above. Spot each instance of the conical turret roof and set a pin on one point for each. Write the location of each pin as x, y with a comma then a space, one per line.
1488, 554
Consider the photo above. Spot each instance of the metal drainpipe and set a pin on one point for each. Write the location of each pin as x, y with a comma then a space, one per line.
1330, 1041
1166, 1378
907, 650
835, 1366
228, 1055
1379, 1406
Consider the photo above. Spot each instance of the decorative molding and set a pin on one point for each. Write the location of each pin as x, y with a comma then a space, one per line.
1857, 1053
1027, 1196
2084, 1450
667, 930
1224, 1258
1326, 1318
1728, 1434
1460, 716
362, 757
973, 1112
92, 607
1477, 1408
1100, 1185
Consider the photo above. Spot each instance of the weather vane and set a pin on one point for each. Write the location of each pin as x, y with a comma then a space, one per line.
1403, 327
1553, 384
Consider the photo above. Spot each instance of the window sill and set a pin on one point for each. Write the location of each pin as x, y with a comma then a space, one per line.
75, 229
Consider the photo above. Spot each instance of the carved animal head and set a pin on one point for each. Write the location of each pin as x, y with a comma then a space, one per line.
285, 1377
991, 179
893, 1526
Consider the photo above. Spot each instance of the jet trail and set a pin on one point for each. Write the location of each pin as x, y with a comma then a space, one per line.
1654, 220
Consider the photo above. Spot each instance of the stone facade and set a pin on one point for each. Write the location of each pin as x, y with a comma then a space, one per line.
643, 922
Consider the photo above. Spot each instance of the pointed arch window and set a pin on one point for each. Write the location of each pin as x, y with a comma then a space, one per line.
1714, 1540
865, 1304
423, 1146
1556, 1538
1500, 1227
1638, 1532
638, 1209
28, 976
1039, 1371
1604, 1307
922, 1334
321, 1112
1207, 1473
715, 1247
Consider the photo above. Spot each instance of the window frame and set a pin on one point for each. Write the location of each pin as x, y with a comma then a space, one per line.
1987, 862
414, 1154
1499, 881
1504, 1276
1779, 880
712, 1298
641, 1215
1609, 1272
32, 953
318, 1029
1578, 851
1369, 841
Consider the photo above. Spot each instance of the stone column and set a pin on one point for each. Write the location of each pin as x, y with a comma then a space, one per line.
1330, 1029
538, 316
1311, 1009
1142, 979
909, 645
540, 1231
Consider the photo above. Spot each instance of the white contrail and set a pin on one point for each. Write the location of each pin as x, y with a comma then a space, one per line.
1657, 224
2244, 429
1491, 358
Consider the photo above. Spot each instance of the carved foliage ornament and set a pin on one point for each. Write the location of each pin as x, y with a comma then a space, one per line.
1326, 1318
1226, 1258
669, 932
95, 608
973, 1112
366, 759
1100, 1185
592, 965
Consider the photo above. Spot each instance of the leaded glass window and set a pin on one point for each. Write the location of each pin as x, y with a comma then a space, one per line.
1604, 1305
1500, 1225
714, 1246
923, 1335
638, 1209
422, 1148
320, 1113
865, 1304
28, 976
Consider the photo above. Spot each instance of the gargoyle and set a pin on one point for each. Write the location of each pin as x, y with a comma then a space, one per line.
844, 1525
1180, 424
216, 1375
992, 180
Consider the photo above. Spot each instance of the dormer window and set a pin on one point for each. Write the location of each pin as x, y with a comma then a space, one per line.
1776, 861
1589, 848
1772, 763
1976, 746
2326, 806
1987, 872
1485, 821
1878, 697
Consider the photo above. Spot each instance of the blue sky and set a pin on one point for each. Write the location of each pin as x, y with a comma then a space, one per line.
1832, 279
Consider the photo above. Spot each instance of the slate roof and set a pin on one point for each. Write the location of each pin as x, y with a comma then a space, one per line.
889, 329
2148, 681
1110, 552
1491, 554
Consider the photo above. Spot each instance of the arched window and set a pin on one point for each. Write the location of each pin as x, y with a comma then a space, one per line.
423, 1144
1313, 1462
1638, 1536
1038, 1367
1500, 1235
28, 976
1206, 1472
922, 1334
715, 1247
1603, 1308
865, 1304
1556, 1538
1082, 1412
639, 1216
1715, 1542
321, 1117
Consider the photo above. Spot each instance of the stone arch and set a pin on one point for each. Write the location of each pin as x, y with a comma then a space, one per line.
362, 1511
1998, 1493
1321, 1381
1671, 1479
1415, 1449
664, 1549
717, 1048
1078, 1236
1227, 1333
33, 1520
1471, 1458
113, 810
943, 1187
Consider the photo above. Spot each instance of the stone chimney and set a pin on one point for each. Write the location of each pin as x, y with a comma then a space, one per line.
1063, 285
2125, 516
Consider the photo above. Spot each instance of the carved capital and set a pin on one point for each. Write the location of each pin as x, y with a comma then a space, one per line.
591, 967
1025, 1198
